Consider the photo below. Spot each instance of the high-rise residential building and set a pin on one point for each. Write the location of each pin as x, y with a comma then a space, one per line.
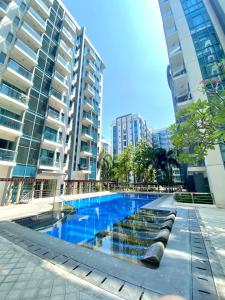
161, 139
194, 32
129, 129
51, 84
106, 146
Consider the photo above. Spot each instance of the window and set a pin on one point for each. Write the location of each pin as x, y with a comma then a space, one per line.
16, 21
2, 57
9, 38
22, 6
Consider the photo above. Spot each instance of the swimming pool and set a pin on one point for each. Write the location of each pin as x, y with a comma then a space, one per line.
101, 223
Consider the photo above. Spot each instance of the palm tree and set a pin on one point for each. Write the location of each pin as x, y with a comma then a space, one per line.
104, 165
164, 162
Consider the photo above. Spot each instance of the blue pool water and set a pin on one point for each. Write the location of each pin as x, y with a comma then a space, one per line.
100, 214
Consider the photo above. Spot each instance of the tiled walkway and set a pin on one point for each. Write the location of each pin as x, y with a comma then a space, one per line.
24, 276
213, 221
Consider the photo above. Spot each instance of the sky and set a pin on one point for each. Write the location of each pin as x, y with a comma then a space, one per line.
128, 34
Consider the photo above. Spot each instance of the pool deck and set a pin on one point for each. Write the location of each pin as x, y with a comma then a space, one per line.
66, 271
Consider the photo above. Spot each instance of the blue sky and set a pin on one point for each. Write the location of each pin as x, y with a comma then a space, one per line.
129, 36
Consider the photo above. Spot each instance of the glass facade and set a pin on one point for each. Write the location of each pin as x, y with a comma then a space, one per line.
206, 42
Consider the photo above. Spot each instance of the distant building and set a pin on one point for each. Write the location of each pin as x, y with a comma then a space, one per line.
129, 129
161, 138
106, 146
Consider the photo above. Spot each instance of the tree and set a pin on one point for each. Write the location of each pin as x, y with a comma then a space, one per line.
123, 164
201, 126
164, 162
142, 162
105, 163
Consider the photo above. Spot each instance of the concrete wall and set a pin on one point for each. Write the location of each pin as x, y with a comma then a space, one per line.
216, 176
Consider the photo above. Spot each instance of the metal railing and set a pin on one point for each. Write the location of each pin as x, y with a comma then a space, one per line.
194, 198
13, 93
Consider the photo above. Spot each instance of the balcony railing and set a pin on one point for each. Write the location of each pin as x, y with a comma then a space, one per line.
88, 74
32, 32
52, 137
67, 33
55, 115
57, 94
87, 101
19, 69
65, 47
90, 88
179, 72
7, 155
10, 123
86, 131
84, 167
60, 77
43, 5
26, 49
49, 162
62, 60
36, 16
87, 116
91, 64
85, 148
12, 93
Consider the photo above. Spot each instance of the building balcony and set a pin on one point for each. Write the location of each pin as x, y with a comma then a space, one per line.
9, 128
89, 92
18, 75
85, 151
48, 163
67, 37
7, 157
87, 105
170, 32
90, 66
10, 97
89, 78
56, 99
69, 24
179, 72
51, 141
59, 82
174, 50
84, 168
24, 55
41, 8
36, 20
86, 135
62, 65
87, 119
65, 50
3, 8
184, 104
49, 2
91, 55
30, 36
55, 119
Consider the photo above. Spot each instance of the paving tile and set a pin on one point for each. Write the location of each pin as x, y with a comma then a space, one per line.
3, 294
11, 278
14, 294
96, 277
58, 290
130, 292
6, 286
29, 293
112, 284
82, 271
45, 292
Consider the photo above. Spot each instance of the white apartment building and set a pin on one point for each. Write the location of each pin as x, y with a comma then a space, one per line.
129, 129
194, 32
51, 92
